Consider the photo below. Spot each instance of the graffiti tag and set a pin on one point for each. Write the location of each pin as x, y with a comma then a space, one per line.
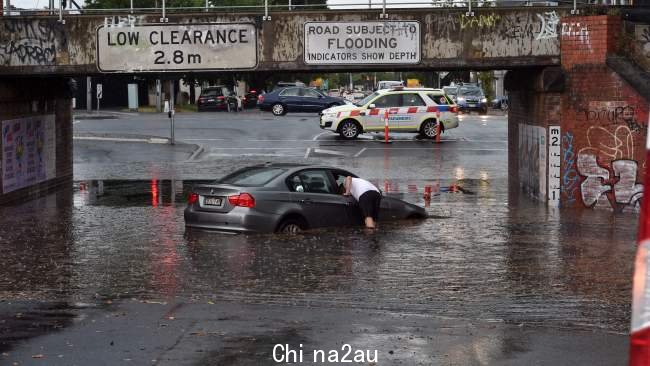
549, 21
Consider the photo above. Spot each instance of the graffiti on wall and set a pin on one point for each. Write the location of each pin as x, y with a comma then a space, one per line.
480, 21
532, 160
123, 20
29, 42
609, 169
578, 31
548, 29
614, 113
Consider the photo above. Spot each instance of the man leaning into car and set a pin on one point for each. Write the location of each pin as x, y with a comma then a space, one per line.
368, 197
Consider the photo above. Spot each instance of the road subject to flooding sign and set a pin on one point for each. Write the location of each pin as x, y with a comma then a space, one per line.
337, 43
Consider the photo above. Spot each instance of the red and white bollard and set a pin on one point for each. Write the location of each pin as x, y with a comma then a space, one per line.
640, 328
386, 125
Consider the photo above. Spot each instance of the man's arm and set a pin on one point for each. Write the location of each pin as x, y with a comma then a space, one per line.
348, 185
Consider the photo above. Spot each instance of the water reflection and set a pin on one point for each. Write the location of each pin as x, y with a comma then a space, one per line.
476, 258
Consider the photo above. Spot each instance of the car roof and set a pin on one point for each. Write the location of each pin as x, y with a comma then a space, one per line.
385, 91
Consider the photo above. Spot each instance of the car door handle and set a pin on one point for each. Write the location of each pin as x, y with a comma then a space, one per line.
306, 200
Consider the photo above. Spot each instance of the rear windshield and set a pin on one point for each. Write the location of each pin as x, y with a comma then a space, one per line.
251, 177
212, 92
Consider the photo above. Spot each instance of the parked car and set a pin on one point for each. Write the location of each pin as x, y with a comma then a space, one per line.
409, 110
389, 84
216, 98
250, 99
472, 98
283, 198
285, 84
296, 99
500, 102
451, 92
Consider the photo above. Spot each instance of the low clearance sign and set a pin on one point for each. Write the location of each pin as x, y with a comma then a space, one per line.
169, 47
339, 43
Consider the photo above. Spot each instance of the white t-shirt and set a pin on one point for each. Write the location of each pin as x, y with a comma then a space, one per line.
360, 186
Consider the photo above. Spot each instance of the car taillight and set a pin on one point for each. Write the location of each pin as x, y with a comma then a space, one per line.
640, 329
192, 198
454, 109
242, 200
221, 97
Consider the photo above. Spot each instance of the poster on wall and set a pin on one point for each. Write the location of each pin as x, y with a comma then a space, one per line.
28, 152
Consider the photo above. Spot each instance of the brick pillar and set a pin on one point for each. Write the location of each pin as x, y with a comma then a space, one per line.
604, 120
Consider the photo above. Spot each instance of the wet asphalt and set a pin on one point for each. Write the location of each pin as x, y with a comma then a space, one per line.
104, 272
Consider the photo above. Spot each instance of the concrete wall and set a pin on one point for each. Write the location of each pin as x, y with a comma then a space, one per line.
24, 98
534, 100
494, 39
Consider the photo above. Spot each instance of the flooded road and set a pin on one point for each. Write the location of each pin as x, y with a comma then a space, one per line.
475, 258
103, 271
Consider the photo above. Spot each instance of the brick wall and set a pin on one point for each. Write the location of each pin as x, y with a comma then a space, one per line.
588, 39
21, 98
604, 121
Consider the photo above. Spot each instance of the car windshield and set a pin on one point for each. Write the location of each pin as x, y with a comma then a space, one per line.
251, 177
470, 91
450, 91
367, 99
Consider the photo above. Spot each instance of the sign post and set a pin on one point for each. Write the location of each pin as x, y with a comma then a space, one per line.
100, 94
171, 111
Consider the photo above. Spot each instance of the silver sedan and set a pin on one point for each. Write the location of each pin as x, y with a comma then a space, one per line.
283, 198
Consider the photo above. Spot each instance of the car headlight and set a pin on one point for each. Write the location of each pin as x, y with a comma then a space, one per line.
484, 100
461, 99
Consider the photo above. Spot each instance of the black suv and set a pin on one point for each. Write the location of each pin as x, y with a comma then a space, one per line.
216, 98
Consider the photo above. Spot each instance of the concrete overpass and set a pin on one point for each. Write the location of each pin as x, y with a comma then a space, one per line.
495, 38
579, 86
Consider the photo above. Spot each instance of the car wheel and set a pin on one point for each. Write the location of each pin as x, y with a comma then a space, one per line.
278, 109
292, 226
429, 128
349, 129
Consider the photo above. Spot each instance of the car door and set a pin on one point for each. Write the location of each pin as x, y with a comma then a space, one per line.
290, 97
412, 111
312, 100
319, 201
374, 118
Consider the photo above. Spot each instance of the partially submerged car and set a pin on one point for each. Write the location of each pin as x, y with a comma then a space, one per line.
283, 198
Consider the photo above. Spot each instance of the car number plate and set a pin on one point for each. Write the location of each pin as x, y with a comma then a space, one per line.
213, 201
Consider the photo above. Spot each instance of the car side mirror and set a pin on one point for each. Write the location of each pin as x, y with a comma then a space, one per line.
372, 106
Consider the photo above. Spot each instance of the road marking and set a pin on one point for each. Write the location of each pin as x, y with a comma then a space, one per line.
152, 140
329, 152
307, 152
360, 152
319, 135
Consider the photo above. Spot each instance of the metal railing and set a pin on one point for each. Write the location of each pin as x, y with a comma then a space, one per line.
265, 8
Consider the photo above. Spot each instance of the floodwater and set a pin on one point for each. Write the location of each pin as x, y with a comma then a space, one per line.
476, 257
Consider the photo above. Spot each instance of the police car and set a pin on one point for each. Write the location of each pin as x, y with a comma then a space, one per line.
407, 109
